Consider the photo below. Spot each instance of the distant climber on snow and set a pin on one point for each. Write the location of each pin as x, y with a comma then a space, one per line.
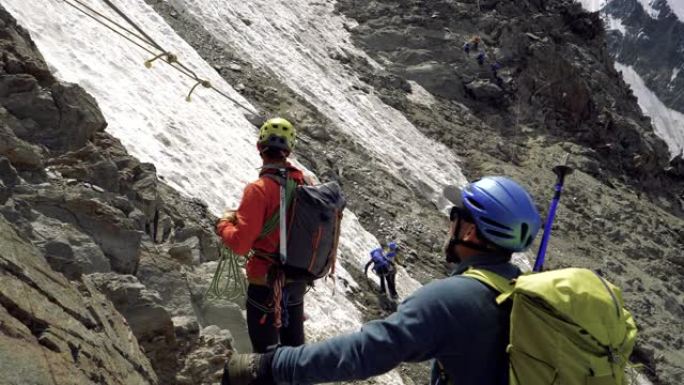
383, 261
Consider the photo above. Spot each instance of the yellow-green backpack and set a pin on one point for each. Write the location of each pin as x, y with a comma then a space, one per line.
568, 327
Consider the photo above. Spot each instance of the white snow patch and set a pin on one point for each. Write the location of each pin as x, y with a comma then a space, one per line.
675, 72
593, 5
668, 123
647, 5
420, 95
677, 7
298, 40
613, 23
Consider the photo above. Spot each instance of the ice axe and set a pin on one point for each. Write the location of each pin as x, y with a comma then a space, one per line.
561, 171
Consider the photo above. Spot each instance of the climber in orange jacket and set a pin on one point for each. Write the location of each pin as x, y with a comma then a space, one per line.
240, 231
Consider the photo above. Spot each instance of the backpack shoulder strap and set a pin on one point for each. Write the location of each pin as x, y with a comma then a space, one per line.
502, 285
289, 185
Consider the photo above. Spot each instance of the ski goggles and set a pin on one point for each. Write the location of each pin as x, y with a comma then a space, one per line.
457, 211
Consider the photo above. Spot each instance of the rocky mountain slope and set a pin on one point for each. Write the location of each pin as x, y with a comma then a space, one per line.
652, 41
97, 254
558, 94
107, 223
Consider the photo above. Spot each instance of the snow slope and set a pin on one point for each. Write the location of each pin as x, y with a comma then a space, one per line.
593, 5
647, 5
677, 7
204, 148
297, 40
668, 123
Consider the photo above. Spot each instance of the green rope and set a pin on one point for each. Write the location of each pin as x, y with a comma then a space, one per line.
228, 281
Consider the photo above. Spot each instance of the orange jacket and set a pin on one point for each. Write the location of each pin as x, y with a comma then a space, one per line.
260, 200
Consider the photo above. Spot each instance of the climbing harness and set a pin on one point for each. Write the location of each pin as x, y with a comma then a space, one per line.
146, 43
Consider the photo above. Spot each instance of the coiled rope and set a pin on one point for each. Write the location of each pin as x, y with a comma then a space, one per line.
228, 281
143, 41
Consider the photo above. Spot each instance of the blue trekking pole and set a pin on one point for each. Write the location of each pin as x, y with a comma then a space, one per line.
561, 171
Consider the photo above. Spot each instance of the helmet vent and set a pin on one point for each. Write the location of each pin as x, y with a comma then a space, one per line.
475, 203
495, 224
499, 234
523, 231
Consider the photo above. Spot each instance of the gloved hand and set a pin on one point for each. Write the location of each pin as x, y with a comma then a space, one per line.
248, 369
228, 216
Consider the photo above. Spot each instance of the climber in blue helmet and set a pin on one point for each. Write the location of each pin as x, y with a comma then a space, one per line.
454, 321
383, 261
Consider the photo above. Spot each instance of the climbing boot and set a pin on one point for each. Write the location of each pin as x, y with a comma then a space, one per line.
248, 369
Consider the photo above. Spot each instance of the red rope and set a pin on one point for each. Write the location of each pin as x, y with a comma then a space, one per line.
278, 284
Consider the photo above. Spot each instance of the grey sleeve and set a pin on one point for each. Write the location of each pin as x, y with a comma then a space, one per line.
416, 332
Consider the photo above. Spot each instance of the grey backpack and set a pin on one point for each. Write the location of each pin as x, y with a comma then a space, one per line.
310, 227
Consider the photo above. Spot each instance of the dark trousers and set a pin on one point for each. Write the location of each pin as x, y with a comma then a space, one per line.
262, 333
389, 273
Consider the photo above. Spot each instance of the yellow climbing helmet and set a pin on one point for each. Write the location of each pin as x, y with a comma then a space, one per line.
277, 133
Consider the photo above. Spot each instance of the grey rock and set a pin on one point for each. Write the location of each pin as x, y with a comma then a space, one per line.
68, 250
484, 90
8, 174
20, 83
108, 227
23, 155
149, 321
186, 252
54, 323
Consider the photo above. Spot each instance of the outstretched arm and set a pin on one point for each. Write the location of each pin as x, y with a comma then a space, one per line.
416, 332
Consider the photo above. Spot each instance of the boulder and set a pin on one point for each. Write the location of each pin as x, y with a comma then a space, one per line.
204, 364
23, 155
186, 252
82, 207
68, 250
485, 90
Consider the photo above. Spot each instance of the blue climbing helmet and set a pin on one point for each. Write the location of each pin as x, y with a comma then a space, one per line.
503, 212
392, 246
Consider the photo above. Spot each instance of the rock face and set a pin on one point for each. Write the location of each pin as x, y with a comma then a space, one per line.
79, 217
57, 331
